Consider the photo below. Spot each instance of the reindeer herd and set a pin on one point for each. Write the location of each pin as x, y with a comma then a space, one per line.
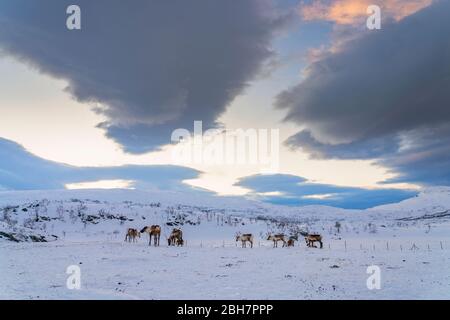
309, 239
154, 232
176, 237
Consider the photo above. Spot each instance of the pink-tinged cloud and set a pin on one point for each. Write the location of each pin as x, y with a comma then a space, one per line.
347, 12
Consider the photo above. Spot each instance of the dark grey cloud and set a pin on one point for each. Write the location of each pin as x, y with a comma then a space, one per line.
154, 65
384, 95
359, 149
21, 170
297, 191
424, 159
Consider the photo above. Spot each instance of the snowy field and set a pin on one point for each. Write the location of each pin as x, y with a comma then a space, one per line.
114, 270
409, 242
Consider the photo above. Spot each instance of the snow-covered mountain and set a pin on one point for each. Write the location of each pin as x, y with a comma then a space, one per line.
68, 214
429, 201
43, 232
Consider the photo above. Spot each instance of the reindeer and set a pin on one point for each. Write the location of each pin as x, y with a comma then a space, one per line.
276, 238
311, 238
244, 238
132, 235
176, 238
292, 239
153, 231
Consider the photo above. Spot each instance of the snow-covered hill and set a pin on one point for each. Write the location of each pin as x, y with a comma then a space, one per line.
429, 201
41, 232
77, 214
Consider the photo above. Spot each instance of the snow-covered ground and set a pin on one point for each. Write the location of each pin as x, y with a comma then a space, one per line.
409, 242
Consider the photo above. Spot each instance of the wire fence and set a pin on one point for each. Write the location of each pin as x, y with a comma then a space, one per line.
334, 245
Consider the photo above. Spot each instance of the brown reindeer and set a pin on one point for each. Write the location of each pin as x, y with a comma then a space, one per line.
244, 238
276, 238
311, 238
290, 242
176, 238
132, 235
153, 231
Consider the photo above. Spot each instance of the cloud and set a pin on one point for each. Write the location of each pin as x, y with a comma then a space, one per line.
384, 96
148, 66
348, 12
16, 163
424, 158
366, 149
293, 190
21, 170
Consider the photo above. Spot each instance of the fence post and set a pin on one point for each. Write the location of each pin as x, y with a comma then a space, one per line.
387, 245
345, 244
442, 248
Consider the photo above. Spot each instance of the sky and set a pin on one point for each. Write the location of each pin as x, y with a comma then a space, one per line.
354, 117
